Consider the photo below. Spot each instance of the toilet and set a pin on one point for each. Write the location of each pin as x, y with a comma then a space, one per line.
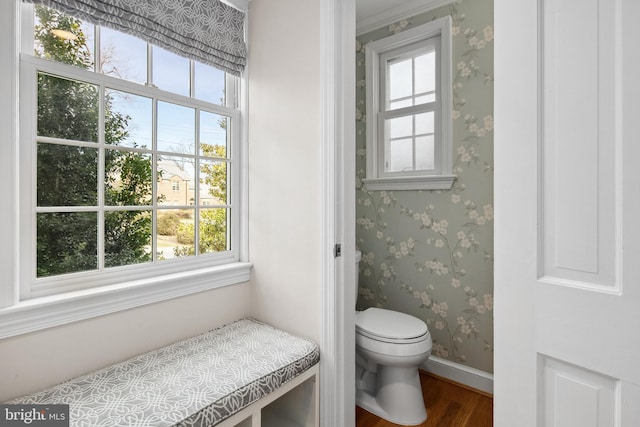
389, 348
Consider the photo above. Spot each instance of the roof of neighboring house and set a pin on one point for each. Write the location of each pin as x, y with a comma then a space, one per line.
171, 168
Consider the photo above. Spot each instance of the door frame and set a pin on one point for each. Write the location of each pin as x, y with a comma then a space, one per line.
337, 373
515, 97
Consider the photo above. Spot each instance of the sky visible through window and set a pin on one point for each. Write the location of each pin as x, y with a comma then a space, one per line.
125, 56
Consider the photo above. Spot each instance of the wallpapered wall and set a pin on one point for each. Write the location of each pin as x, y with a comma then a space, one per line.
430, 253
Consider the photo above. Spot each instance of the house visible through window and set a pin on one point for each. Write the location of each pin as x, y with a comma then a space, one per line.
409, 106
113, 120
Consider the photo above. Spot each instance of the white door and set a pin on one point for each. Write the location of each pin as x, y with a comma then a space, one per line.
567, 203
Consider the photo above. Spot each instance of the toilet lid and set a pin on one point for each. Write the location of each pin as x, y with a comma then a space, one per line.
390, 324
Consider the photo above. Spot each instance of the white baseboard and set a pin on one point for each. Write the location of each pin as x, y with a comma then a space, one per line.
462, 374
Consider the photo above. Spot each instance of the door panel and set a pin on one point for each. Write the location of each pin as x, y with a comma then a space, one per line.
575, 397
580, 135
567, 213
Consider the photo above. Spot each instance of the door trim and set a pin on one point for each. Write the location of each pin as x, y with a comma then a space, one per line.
516, 113
337, 373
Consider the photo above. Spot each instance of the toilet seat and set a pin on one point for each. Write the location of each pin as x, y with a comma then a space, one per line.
390, 326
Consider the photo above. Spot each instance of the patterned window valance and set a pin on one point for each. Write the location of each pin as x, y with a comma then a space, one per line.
208, 31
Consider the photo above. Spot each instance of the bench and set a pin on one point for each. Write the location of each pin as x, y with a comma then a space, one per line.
244, 374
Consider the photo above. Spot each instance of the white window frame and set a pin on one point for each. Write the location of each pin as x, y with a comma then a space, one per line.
128, 286
438, 33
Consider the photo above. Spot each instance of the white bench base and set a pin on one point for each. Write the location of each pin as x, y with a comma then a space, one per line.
296, 403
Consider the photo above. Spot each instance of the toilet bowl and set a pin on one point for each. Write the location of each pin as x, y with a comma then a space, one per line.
389, 348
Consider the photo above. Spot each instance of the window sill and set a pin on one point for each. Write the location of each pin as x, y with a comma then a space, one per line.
45, 312
430, 182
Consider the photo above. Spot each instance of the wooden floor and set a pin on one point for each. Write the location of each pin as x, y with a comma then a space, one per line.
448, 405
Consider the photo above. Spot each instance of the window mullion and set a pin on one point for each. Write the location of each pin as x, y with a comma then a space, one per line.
407, 111
192, 78
231, 91
196, 189
97, 58
403, 98
413, 117
100, 180
28, 174
149, 65
154, 178
413, 80
382, 148
27, 39
413, 142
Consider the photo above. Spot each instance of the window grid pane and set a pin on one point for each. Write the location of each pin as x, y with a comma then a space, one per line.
128, 178
175, 233
137, 111
67, 109
171, 72
425, 154
209, 84
213, 230
126, 245
176, 128
123, 56
66, 243
62, 38
175, 181
67, 175
400, 81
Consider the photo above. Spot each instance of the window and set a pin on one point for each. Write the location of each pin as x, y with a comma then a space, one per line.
133, 153
114, 274
409, 106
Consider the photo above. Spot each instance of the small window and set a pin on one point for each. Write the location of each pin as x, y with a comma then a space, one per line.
409, 103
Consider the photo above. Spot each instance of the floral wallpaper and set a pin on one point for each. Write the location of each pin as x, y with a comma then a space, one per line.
430, 253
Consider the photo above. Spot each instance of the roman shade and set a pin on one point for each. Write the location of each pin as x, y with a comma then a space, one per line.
208, 31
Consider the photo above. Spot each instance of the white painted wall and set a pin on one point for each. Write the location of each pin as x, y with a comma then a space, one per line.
285, 176
31, 362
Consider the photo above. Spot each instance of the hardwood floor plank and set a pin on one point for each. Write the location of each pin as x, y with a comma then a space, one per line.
483, 413
448, 405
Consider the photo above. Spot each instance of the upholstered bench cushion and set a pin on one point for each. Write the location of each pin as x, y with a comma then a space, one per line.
196, 382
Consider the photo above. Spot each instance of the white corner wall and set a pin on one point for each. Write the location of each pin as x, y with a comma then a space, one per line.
285, 175
31, 362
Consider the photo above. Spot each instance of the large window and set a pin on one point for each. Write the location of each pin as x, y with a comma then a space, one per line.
129, 153
409, 106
